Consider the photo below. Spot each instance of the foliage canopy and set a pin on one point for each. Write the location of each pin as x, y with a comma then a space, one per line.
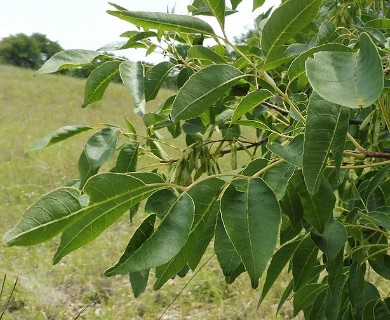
300, 108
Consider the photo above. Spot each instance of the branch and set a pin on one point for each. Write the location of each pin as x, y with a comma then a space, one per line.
277, 108
250, 145
370, 154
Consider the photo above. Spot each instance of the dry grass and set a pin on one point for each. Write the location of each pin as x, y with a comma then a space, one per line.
29, 109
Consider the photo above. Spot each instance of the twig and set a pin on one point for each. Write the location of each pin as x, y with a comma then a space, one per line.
10, 296
185, 286
250, 145
277, 108
370, 154
85, 308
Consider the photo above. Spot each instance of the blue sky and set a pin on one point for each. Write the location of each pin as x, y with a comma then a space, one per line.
84, 24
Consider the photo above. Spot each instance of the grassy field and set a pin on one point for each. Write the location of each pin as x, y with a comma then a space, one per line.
31, 107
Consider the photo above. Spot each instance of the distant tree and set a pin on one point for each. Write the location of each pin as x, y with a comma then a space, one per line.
27, 51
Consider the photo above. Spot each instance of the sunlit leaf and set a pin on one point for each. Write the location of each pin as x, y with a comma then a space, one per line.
69, 59
202, 90
203, 53
217, 7
164, 21
350, 79
292, 152
111, 195
58, 136
132, 74
51, 214
285, 22
155, 77
98, 81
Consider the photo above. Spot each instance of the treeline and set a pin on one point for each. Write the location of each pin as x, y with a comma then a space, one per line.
33, 51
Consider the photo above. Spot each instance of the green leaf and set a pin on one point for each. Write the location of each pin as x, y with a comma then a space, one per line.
69, 59
58, 136
297, 66
303, 261
332, 240
292, 206
111, 195
139, 281
166, 22
127, 158
277, 178
375, 181
257, 4
160, 202
292, 152
98, 81
203, 53
205, 196
353, 80
235, 3
317, 209
382, 218
51, 214
278, 262
217, 7
132, 74
306, 296
99, 148
382, 309
155, 77
202, 90
379, 23
249, 102
227, 256
167, 240
326, 124
251, 215
284, 23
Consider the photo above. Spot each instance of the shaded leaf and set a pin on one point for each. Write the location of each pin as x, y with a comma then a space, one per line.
306, 296
353, 80
111, 195
278, 262
249, 102
277, 178
167, 240
99, 148
251, 216
227, 256
317, 209
326, 124
382, 309
202, 90
98, 81
139, 281
51, 214
292, 152
69, 59
127, 158
164, 21
58, 136
332, 240
203, 53
303, 261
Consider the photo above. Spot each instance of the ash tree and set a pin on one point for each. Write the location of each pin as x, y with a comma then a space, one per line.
300, 111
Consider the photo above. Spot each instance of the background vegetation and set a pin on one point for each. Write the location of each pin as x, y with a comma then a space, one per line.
61, 292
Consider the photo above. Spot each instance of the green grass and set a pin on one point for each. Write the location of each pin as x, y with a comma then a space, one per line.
31, 107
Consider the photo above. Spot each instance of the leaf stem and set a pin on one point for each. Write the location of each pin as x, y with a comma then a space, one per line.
273, 164
355, 143
362, 166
